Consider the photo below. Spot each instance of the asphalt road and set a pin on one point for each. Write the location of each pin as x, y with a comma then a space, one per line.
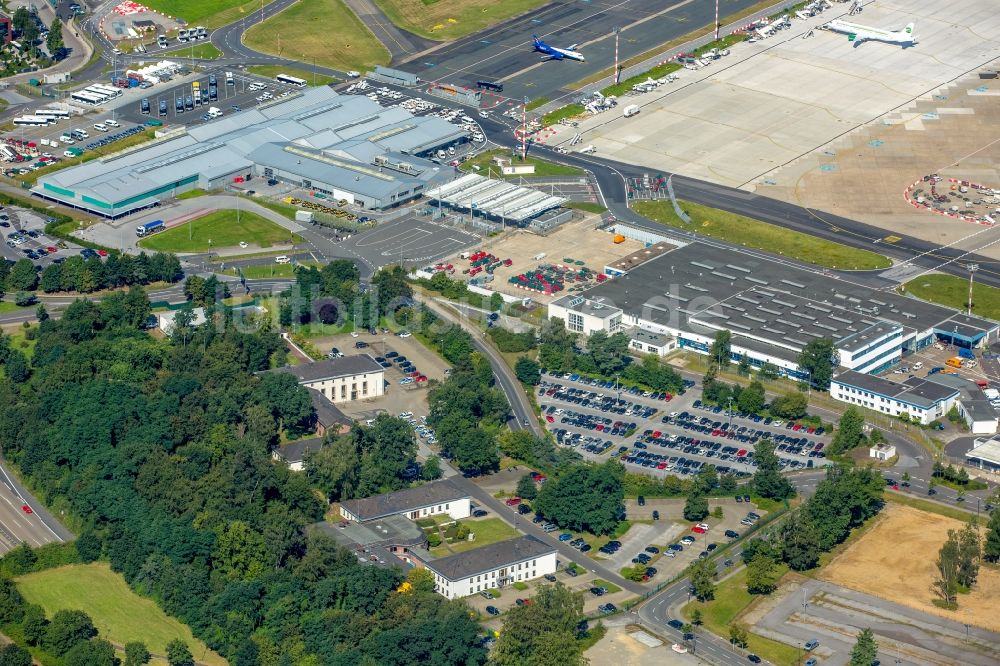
17, 525
505, 52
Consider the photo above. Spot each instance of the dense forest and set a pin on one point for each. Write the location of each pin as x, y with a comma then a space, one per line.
158, 452
89, 275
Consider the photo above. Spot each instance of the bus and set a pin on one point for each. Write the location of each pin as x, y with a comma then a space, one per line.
490, 85
291, 80
55, 114
90, 99
32, 121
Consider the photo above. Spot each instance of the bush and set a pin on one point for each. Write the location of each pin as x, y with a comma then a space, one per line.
434, 539
508, 341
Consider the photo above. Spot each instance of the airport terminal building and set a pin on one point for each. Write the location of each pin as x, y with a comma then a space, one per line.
771, 308
345, 146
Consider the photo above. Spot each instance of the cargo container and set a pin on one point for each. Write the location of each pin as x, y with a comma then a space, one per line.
631, 110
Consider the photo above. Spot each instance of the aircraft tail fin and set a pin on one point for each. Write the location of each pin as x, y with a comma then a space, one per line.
908, 29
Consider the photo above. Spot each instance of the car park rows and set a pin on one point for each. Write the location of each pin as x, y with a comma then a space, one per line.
575, 410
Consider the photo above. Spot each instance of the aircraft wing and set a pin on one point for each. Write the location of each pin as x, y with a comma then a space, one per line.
572, 47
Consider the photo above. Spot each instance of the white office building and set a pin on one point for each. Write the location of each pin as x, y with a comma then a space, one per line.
492, 567
430, 499
584, 315
342, 379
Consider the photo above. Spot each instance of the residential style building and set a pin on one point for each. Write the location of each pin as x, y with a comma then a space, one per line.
329, 418
430, 499
293, 454
882, 452
496, 565
922, 399
342, 379
647, 342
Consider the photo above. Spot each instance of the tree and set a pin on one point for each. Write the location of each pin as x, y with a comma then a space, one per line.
850, 431
946, 583
739, 635
800, 544
496, 301
991, 545
178, 653
865, 650
721, 350
67, 628
769, 371
817, 358
696, 617
586, 497
431, 469
970, 552
790, 406
289, 403
88, 546
762, 575
17, 366
744, 367
543, 632
240, 552
767, 479
22, 276
136, 654
702, 575
526, 488
752, 398
97, 652
14, 655
527, 371
54, 41
34, 624
24, 298
696, 507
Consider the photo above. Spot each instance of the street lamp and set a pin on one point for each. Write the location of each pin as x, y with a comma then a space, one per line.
730, 412
972, 270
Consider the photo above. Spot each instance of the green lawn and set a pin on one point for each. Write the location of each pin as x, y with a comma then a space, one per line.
209, 13
931, 507
270, 270
322, 32
222, 230
272, 71
600, 582
568, 111
731, 599
119, 614
191, 194
542, 167
759, 235
202, 51
487, 531
445, 20
10, 306
953, 291
586, 206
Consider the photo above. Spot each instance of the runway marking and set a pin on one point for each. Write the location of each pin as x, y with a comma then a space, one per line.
892, 239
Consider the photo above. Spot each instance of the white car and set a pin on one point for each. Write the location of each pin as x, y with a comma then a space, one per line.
100, 127
354, 334
404, 334
112, 123
243, 244
68, 154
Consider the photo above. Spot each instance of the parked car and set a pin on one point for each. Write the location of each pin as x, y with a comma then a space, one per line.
493, 610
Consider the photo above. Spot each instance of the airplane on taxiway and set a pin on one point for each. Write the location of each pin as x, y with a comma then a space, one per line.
861, 33
554, 53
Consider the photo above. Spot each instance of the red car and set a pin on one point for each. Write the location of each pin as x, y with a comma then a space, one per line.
599, 427
811, 430
656, 434
26, 509
103, 253
421, 378
661, 465
895, 486
549, 418
513, 501
51, 249
741, 453
538, 477
796, 427
698, 530
668, 397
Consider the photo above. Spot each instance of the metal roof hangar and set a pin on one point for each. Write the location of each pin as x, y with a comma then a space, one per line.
348, 147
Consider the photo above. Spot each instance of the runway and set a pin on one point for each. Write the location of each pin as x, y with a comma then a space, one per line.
505, 54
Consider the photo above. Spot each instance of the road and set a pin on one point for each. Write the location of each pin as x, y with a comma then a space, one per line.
17, 525
524, 414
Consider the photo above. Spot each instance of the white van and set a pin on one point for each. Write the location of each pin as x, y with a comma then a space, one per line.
282, 259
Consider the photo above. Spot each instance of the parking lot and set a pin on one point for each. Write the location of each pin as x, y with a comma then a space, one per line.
662, 435
245, 92
409, 240
23, 236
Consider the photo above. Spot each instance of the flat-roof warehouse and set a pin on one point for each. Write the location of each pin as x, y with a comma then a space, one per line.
348, 147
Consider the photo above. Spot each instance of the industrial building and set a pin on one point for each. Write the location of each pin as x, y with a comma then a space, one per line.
344, 146
496, 199
773, 309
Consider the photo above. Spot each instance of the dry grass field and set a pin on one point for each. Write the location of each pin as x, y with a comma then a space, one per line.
895, 560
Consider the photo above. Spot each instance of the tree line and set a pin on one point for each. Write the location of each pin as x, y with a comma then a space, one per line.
160, 450
89, 275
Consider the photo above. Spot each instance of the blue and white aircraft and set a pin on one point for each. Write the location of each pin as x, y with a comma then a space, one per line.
555, 53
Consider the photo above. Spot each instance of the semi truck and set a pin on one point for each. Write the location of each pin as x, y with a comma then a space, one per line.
149, 228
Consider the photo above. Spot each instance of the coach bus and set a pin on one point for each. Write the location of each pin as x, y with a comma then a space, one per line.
32, 121
290, 80
54, 114
109, 91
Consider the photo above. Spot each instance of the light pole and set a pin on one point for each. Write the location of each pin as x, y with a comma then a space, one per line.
730, 398
972, 271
